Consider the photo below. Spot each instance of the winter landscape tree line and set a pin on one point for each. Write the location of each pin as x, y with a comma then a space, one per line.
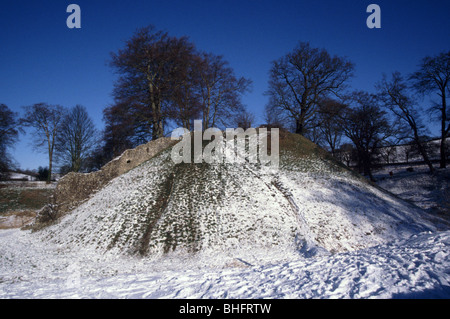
165, 82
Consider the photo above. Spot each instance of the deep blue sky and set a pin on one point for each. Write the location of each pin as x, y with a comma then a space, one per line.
41, 60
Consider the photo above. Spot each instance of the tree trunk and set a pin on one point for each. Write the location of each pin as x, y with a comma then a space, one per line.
299, 127
207, 110
50, 157
367, 169
158, 128
425, 157
422, 151
366, 164
443, 161
50, 164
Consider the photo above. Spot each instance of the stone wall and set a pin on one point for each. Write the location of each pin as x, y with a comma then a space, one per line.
74, 188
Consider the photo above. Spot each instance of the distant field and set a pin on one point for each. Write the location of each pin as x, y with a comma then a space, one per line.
19, 198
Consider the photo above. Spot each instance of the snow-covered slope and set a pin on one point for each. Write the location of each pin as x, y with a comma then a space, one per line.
417, 267
312, 229
225, 212
430, 192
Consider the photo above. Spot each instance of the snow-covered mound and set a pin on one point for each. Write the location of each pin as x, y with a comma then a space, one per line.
243, 212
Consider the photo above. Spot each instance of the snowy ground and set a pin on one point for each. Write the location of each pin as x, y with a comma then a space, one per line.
431, 192
376, 247
418, 267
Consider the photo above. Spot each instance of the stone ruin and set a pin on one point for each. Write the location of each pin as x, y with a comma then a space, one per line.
75, 188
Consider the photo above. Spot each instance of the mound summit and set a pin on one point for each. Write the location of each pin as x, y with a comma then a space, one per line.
310, 205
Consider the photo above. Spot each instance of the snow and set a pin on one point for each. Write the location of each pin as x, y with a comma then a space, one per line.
20, 176
236, 211
428, 191
417, 267
306, 230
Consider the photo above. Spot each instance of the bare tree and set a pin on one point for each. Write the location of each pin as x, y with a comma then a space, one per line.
388, 153
220, 91
146, 67
328, 123
76, 139
244, 119
8, 136
127, 125
434, 77
346, 154
276, 119
395, 97
164, 78
367, 126
46, 120
185, 99
300, 79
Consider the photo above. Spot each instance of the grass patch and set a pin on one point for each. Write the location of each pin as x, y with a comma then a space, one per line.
13, 199
298, 153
